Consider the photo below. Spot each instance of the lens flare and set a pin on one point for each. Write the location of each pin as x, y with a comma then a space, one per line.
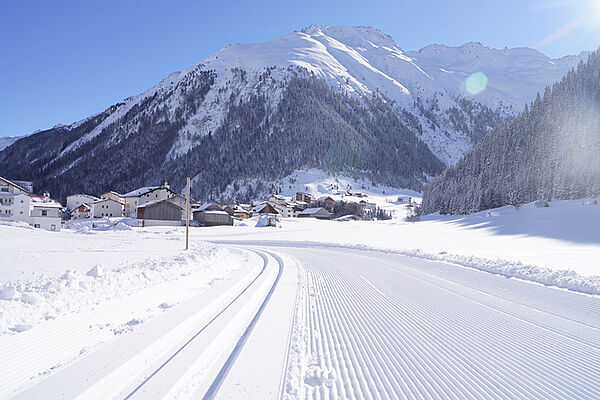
476, 83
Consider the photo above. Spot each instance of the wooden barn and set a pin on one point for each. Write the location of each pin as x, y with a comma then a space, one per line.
211, 214
161, 212
318, 212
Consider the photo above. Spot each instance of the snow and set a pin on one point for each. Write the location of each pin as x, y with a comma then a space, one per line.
315, 309
68, 270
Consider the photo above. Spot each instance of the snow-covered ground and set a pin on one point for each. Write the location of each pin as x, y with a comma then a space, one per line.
310, 309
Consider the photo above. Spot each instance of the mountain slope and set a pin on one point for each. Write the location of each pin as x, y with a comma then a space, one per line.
551, 150
402, 99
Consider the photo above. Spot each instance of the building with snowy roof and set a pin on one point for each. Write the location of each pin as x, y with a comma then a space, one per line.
317, 212
19, 204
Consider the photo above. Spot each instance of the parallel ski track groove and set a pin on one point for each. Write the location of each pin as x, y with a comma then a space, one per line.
180, 349
437, 347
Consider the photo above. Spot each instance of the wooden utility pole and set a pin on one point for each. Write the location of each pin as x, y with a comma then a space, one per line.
187, 215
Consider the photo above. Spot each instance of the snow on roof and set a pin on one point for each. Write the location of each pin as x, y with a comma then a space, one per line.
15, 185
103, 200
322, 198
150, 203
216, 212
312, 210
206, 206
141, 191
83, 194
260, 207
84, 205
41, 201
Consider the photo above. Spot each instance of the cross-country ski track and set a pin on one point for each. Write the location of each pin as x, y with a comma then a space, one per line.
300, 322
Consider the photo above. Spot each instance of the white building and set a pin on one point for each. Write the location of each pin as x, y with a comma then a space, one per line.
45, 213
18, 204
75, 200
106, 208
145, 195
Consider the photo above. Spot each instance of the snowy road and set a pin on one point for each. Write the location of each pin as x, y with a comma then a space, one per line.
370, 325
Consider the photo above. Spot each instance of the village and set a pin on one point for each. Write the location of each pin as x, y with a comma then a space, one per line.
161, 206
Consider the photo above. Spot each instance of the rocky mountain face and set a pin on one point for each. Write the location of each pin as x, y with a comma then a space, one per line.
338, 98
550, 150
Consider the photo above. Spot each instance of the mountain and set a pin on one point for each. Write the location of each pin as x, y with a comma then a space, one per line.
7, 141
338, 98
551, 150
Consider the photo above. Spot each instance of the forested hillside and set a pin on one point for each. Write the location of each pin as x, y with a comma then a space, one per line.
551, 150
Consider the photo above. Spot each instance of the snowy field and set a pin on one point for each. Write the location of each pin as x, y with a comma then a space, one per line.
382, 309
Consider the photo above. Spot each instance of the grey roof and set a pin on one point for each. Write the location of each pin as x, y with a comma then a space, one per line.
15, 185
102, 200
209, 207
324, 198
315, 210
151, 203
141, 191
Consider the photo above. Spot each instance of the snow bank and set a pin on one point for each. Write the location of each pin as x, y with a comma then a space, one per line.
24, 304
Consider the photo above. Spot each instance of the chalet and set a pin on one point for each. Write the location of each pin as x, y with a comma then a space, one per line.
83, 211
17, 203
326, 201
366, 205
106, 208
264, 208
160, 212
303, 197
283, 209
144, 195
317, 212
241, 212
113, 196
211, 214
75, 200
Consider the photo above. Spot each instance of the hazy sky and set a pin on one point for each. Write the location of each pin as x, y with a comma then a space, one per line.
64, 60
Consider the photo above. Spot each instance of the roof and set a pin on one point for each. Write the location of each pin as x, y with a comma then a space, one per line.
15, 185
259, 208
215, 212
141, 191
111, 192
83, 194
208, 206
315, 210
41, 201
322, 198
151, 203
103, 200
84, 205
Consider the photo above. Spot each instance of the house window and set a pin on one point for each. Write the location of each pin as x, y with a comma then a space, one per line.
5, 189
52, 227
36, 225
44, 213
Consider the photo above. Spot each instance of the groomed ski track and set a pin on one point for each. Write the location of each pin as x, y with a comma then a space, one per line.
355, 324
375, 326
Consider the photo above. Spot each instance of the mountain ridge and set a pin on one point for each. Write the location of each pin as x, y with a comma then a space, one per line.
204, 99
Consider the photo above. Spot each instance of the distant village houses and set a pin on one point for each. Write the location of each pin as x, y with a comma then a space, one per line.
18, 203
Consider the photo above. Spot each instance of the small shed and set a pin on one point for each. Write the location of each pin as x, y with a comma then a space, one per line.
318, 212
161, 210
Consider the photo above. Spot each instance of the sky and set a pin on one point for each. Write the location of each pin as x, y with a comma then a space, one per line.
65, 60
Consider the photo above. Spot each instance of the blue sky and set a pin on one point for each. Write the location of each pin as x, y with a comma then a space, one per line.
64, 60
